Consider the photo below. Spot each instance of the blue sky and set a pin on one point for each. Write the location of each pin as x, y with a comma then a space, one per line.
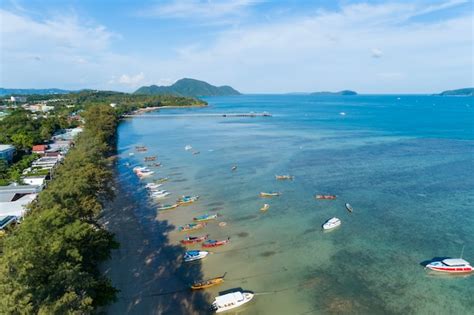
417, 46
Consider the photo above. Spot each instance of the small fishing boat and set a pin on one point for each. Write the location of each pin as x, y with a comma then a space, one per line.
150, 158
331, 223
157, 192
325, 197
451, 265
145, 173
137, 169
215, 243
234, 167
265, 207
161, 180
160, 196
349, 207
192, 255
205, 217
284, 177
188, 147
153, 185
269, 194
196, 152
158, 164
231, 300
167, 207
194, 239
187, 199
192, 227
204, 284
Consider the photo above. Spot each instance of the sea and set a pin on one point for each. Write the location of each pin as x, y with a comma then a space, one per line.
404, 162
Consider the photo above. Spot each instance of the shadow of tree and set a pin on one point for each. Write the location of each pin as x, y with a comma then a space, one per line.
147, 269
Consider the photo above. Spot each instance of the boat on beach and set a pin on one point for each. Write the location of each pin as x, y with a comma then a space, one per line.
192, 227
331, 223
349, 207
205, 217
187, 199
204, 284
231, 300
215, 243
451, 265
192, 255
167, 207
325, 197
265, 207
269, 194
284, 177
188, 240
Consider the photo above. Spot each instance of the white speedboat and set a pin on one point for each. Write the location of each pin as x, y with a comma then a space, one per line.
145, 173
192, 255
231, 300
158, 192
451, 265
137, 169
188, 147
331, 223
153, 185
161, 196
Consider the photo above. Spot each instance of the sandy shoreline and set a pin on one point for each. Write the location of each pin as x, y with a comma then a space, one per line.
146, 268
154, 108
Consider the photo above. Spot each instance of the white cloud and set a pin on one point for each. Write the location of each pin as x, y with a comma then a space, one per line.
132, 80
376, 53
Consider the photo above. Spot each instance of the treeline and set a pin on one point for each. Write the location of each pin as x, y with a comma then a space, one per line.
49, 264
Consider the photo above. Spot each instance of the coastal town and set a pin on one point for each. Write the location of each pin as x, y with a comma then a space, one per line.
16, 195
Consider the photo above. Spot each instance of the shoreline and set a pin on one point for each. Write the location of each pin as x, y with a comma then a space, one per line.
154, 108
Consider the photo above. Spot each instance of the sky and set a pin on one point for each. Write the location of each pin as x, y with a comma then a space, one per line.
417, 46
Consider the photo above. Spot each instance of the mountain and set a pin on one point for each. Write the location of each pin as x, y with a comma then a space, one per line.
188, 87
458, 92
343, 92
31, 91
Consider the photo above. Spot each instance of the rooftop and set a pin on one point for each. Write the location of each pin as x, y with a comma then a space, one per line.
6, 147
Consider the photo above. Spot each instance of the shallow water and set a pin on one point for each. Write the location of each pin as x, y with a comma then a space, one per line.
405, 163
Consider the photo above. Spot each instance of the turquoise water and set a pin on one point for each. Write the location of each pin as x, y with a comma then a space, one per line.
405, 163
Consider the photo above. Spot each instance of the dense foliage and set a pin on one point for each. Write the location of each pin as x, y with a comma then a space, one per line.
49, 264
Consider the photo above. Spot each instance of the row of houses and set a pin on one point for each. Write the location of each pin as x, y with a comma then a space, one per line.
15, 198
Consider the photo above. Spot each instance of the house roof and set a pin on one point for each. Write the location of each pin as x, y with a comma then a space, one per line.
39, 147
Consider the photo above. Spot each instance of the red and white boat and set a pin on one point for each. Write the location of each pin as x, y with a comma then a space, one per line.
188, 240
215, 243
451, 265
325, 197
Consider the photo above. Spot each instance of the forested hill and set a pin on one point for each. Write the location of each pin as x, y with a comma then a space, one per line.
188, 87
4, 91
458, 92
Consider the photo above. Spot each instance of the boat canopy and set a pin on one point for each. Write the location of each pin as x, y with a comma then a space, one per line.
226, 299
455, 262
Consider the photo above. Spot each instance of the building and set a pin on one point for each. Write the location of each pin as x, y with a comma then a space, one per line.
20, 99
113, 105
39, 149
15, 198
37, 180
6, 152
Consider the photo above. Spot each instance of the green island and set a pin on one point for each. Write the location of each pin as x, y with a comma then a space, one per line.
49, 263
188, 87
343, 93
458, 92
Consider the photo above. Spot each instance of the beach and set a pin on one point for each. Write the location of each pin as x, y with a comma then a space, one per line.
406, 180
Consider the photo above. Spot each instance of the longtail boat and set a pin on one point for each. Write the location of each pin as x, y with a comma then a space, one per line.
204, 284
215, 243
187, 199
167, 207
161, 180
194, 239
205, 217
283, 177
192, 227
265, 207
270, 194
325, 197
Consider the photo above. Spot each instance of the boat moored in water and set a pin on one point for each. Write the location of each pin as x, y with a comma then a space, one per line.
205, 217
325, 197
269, 194
265, 207
188, 147
231, 300
167, 207
349, 207
161, 180
192, 255
204, 284
192, 226
284, 177
187, 199
188, 240
215, 243
451, 265
331, 223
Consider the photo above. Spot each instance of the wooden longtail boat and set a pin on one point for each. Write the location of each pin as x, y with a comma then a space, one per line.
283, 177
167, 207
325, 197
215, 243
204, 284
265, 207
270, 194
192, 227
194, 239
205, 217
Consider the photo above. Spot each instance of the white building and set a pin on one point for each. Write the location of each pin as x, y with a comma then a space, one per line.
20, 99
